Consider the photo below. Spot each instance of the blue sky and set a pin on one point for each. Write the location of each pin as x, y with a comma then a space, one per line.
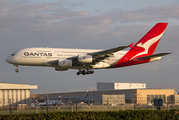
87, 24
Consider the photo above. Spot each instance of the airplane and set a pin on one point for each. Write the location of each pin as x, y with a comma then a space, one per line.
49, 102
60, 99
85, 60
36, 103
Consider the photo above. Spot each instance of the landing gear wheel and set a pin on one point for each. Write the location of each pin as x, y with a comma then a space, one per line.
84, 72
80, 72
16, 70
91, 72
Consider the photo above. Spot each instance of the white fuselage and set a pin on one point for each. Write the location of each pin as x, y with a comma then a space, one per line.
41, 57
50, 102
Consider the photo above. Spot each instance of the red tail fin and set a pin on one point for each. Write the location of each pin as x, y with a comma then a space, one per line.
34, 101
145, 46
60, 98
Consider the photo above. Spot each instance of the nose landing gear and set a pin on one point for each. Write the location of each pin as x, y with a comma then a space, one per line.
85, 72
17, 70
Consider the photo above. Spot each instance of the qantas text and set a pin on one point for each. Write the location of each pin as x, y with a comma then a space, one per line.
37, 54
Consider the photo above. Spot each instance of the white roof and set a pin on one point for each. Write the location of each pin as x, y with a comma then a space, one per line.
121, 82
17, 86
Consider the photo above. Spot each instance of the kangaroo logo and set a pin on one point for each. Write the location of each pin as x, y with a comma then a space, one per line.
84, 57
147, 45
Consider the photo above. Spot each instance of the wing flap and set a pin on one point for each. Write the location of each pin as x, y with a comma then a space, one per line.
109, 51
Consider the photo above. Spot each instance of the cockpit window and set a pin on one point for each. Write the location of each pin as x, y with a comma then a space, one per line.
14, 53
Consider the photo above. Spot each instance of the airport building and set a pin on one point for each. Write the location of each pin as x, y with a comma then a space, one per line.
115, 93
175, 99
137, 96
119, 86
14, 94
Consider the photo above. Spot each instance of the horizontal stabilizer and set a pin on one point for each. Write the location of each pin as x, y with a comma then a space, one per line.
154, 56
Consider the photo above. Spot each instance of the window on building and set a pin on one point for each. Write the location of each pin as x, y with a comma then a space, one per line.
160, 96
150, 98
163, 97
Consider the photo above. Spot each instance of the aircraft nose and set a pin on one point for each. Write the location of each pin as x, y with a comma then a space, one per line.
9, 59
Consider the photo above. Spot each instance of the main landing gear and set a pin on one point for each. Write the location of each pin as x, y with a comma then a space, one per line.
85, 72
17, 70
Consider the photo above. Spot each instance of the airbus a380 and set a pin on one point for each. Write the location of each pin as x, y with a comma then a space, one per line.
87, 59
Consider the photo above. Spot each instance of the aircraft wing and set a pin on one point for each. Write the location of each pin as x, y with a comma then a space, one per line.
109, 51
98, 56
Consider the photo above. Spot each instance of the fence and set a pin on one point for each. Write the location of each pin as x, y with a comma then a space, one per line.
100, 103
77, 108
13, 102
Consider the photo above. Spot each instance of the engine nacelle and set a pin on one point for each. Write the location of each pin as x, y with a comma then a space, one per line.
65, 63
85, 58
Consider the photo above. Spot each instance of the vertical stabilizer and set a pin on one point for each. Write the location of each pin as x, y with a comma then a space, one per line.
34, 101
144, 47
147, 44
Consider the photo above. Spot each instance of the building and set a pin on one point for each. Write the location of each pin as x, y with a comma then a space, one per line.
14, 94
113, 99
137, 96
104, 99
119, 86
175, 99
146, 96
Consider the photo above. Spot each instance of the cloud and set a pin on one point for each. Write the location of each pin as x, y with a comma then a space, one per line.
34, 15
162, 13
34, 22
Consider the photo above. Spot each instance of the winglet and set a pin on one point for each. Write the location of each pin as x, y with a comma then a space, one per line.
131, 45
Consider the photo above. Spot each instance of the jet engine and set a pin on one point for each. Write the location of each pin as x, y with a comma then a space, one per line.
85, 58
65, 63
